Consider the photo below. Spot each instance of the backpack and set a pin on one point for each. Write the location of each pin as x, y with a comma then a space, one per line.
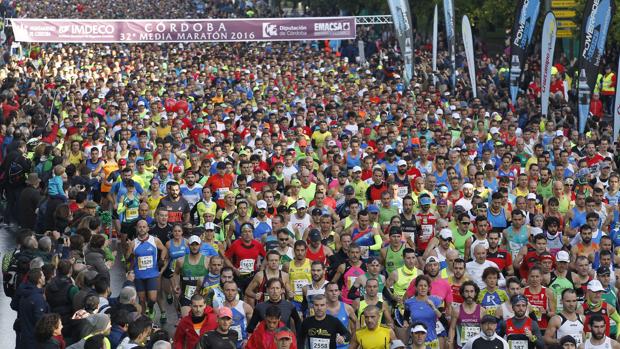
13, 275
16, 173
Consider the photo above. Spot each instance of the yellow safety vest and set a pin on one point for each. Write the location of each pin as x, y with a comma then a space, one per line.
608, 86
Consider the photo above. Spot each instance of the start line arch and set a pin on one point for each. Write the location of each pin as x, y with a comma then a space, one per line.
189, 30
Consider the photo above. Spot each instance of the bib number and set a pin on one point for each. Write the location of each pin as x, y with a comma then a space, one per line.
319, 343
299, 284
427, 231
238, 330
433, 345
145, 262
518, 344
246, 266
439, 327
351, 280
402, 192
491, 310
132, 213
189, 291
468, 332
365, 252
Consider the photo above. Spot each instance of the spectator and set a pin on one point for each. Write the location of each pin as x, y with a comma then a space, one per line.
32, 307
48, 332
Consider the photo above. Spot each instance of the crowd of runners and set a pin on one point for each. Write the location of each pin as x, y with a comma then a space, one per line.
293, 195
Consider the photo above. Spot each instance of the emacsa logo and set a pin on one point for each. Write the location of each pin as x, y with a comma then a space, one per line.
270, 30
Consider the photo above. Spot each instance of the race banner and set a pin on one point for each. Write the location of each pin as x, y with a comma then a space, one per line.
549, 34
522, 34
182, 30
448, 11
596, 20
468, 44
617, 108
435, 35
404, 33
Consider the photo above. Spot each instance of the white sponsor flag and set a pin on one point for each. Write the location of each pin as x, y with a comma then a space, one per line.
549, 34
435, 35
617, 108
468, 43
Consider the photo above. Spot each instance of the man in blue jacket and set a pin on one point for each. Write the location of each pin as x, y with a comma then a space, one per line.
31, 307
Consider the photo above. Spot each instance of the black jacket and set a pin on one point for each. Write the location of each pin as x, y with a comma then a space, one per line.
32, 306
57, 295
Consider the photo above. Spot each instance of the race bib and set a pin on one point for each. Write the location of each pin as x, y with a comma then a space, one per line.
246, 266
439, 327
402, 192
409, 235
131, 214
222, 191
433, 344
491, 310
189, 291
468, 332
536, 311
173, 265
238, 330
319, 343
578, 338
145, 262
351, 280
427, 231
518, 344
365, 252
299, 284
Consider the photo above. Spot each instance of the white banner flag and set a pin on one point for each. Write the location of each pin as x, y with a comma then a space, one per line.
435, 34
617, 107
549, 34
468, 43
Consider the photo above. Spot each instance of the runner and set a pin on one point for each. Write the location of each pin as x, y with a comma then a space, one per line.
243, 256
322, 330
256, 292
465, 320
567, 322
143, 252
487, 338
373, 334
241, 312
371, 298
300, 273
316, 287
599, 339
521, 331
191, 270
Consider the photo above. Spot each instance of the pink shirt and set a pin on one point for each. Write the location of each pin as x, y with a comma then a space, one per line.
440, 288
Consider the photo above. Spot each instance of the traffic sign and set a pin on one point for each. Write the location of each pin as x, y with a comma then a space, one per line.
564, 13
565, 33
567, 24
563, 4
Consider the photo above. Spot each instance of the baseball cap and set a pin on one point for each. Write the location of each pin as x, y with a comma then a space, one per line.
343, 174
397, 344
272, 179
425, 200
517, 299
301, 203
394, 230
468, 186
209, 226
223, 312
402, 163
194, 240
148, 156
442, 202
419, 328
122, 162
295, 182
531, 196
357, 169
443, 189
314, 235
445, 234
603, 271
595, 286
261, 204
283, 333
562, 256
348, 190
432, 259
373, 208
494, 130
488, 318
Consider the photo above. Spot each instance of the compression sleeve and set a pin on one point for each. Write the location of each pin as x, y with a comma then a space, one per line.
378, 243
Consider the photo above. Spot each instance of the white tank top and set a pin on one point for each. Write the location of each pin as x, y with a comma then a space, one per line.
605, 345
573, 328
506, 312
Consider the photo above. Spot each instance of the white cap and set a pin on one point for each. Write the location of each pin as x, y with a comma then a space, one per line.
332, 143
562, 256
432, 259
418, 328
397, 344
377, 167
456, 116
209, 226
494, 130
357, 169
194, 239
261, 204
402, 163
468, 186
439, 111
595, 286
301, 203
531, 196
536, 231
445, 233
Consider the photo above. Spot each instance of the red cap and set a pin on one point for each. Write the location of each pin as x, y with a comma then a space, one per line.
177, 169
224, 312
303, 143
122, 162
285, 333
367, 131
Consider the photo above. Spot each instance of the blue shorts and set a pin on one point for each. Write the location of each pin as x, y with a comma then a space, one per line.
297, 306
145, 285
